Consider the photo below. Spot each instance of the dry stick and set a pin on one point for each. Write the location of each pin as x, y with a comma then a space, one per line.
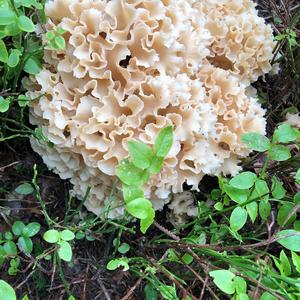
204, 287
167, 232
61, 286
131, 290
230, 248
271, 240
237, 273
8, 166
170, 277
176, 238
104, 290
204, 282
85, 282
25, 280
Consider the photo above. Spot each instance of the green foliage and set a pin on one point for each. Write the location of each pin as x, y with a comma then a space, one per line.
238, 218
256, 141
18, 239
55, 39
133, 174
117, 263
62, 239
6, 291
24, 189
223, 279
289, 239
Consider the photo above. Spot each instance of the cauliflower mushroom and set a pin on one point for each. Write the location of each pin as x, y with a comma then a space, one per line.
132, 67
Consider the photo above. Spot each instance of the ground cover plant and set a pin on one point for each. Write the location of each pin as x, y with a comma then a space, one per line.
243, 243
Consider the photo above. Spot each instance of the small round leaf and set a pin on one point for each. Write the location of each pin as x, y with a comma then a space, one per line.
67, 235
25, 244
65, 251
243, 180
6, 291
51, 236
25, 24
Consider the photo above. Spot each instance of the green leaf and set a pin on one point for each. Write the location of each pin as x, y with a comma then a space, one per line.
168, 292
285, 263
18, 227
29, 3
23, 100
261, 187
118, 262
289, 239
60, 30
285, 133
25, 24
123, 248
131, 192
67, 235
10, 248
4, 104
242, 296
60, 42
267, 296
139, 208
252, 209
24, 189
51, 236
296, 225
31, 229
278, 190
3, 52
147, 222
6, 291
296, 261
219, 206
129, 174
8, 235
50, 35
240, 285
156, 165
25, 244
283, 213
297, 176
150, 292
7, 16
14, 58
140, 154
264, 209
2, 255
12, 29
223, 279
237, 195
279, 153
238, 218
65, 251
256, 141
243, 180
187, 258
163, 142
32, 66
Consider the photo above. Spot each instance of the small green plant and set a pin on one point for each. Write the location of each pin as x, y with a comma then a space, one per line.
18, 238
55, 38
61, 239
251, 192
135, 172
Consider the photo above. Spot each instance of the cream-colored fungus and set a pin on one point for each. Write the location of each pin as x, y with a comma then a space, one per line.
133, 67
